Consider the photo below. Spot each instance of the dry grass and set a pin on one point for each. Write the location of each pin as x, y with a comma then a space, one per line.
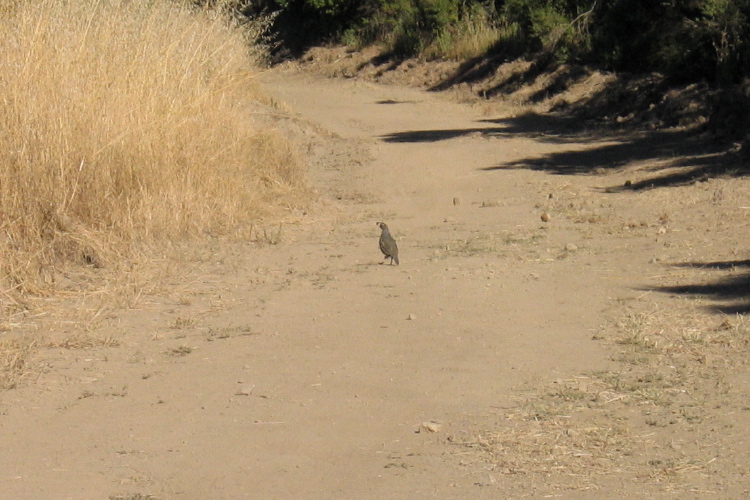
519, 244
474, 35
83, 341
629, 422
15, 355
127, 123
568, 433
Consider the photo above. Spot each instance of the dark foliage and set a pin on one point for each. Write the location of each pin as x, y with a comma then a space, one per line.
685, 40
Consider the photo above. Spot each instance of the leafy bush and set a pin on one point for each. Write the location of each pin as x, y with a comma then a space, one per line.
684, 39
473, 35
299, 24
411, 26
727, 25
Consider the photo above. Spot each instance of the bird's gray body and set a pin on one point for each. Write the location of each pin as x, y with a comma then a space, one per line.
388, 244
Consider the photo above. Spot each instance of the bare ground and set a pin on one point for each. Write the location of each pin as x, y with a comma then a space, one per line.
599, 353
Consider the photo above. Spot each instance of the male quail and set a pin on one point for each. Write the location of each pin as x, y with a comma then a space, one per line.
388, 244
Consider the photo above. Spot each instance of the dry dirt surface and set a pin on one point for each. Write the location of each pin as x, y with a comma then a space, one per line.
551, 331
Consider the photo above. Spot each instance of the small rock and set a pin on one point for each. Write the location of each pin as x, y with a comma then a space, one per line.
662, 230
245, 391
411, 317
545, 217
486, 480
626, 118
431, 426
628, 183
570, 247
456, 201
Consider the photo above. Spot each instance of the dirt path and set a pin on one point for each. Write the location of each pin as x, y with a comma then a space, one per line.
306, 369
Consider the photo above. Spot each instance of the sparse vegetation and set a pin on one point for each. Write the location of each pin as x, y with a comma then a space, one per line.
575, 429
522, 246
685, 40
128, 124
15, 355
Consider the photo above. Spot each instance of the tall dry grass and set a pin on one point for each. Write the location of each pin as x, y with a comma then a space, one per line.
125, 122
472, 36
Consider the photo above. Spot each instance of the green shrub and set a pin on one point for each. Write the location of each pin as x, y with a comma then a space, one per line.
416, 24
726, 26
687, 40
472, 35
684, 39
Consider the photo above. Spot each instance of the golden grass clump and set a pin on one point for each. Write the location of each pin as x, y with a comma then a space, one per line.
473, 36
127, 123
15, 357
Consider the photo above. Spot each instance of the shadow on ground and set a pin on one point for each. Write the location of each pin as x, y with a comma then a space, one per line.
730, 292
690, 132
623, 101
676, 158
540, 127
679, 157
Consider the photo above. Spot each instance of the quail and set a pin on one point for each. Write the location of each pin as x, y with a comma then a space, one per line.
388, 244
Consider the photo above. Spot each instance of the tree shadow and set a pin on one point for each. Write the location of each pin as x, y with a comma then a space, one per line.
624, 101
732, 293
470, 71
558, 81
386, 61
540, 127
678, 157
677, 136
692, 127
437, 135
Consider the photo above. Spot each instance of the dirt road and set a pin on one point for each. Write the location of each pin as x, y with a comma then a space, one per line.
306, 369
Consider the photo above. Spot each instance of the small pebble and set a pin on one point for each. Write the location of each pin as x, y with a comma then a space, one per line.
431, 426
246, 391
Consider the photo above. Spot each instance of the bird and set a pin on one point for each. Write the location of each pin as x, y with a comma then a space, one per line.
388, 244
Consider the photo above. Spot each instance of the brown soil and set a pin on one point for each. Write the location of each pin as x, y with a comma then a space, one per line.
556, 327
